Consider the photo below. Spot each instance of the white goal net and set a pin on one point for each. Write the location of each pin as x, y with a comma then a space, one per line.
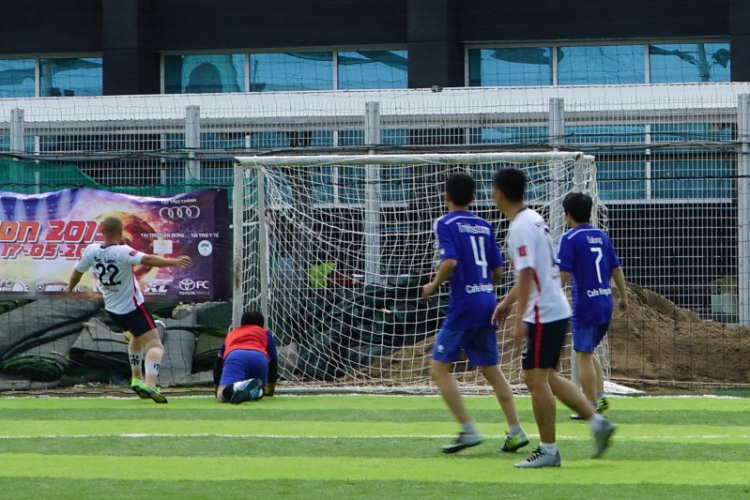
334, 250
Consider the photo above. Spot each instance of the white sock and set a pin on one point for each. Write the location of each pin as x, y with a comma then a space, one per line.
468, 428
596, 421
152, 367
514, 430
136, 361
549, 448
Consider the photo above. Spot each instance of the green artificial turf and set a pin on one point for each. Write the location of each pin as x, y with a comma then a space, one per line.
360, 447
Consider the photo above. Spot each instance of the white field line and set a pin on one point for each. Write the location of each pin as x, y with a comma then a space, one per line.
386, 436
288, 395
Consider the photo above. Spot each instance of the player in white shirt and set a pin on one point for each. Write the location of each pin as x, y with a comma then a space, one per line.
542, 320
113, 262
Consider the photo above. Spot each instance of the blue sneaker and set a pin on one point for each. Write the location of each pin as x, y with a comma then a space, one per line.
247, 390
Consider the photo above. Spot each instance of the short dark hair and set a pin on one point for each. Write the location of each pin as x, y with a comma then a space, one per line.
578, 205
460, 188
112, 226
253, 318
511, 182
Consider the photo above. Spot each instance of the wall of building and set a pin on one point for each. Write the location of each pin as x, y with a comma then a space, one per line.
131, 35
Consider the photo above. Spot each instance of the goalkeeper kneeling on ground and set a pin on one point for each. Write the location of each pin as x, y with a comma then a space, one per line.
247, 366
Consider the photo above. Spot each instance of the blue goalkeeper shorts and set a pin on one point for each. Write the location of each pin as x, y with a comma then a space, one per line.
243, 364
479, 344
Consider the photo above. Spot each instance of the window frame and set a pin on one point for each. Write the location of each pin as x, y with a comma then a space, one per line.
555, 45
247, 53
37, 58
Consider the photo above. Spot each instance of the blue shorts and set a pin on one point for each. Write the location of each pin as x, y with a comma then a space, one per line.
480, 345
586, 339
243, 364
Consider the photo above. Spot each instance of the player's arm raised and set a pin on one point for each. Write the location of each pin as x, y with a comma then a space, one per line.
156, 261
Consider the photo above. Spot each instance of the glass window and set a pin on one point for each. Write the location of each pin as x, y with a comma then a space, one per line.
689, 62
621, 179
601, 65
322, 180
391, 137
396, 183
226, 140
295, 139
200, 74
605, 134
510, 67
376, 69
80, 76
509, 135
17, 77
697, 132
689, 175
291, 71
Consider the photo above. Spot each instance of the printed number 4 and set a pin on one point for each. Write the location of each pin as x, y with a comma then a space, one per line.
480, 255
599, 257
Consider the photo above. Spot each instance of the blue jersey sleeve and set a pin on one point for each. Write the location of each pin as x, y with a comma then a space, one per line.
565, 255
445, 242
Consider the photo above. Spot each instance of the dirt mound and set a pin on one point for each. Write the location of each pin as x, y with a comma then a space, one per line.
656, 342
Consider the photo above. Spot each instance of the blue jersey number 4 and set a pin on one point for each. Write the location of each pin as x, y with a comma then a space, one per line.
480, 255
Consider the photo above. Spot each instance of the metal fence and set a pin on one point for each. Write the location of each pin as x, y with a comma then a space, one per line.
672, 165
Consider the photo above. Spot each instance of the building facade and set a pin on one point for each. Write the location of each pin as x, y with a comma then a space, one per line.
119, 47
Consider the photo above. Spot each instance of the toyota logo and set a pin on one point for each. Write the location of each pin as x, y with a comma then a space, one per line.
187, 285
183, 212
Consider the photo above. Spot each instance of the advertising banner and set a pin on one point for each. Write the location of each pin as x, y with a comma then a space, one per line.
42, 237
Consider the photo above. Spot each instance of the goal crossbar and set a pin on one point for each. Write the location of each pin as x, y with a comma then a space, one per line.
411, 159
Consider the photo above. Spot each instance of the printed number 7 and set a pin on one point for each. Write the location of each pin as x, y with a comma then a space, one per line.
480, 255
599, 257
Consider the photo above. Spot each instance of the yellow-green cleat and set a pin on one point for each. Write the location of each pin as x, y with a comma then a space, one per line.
137, 385
514, 443
153, 393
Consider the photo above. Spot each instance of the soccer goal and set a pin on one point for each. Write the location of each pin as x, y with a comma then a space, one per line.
334, 250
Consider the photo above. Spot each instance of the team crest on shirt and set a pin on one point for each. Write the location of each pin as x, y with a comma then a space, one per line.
132, 253
522, 251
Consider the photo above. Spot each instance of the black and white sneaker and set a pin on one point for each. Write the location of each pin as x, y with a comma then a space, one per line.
463, 441
539, 459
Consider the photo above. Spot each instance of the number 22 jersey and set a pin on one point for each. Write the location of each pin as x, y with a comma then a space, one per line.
113, 267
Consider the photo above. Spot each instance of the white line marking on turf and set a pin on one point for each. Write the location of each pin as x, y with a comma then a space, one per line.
393, 436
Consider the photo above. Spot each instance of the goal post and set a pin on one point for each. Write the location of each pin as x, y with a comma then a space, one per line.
334, 250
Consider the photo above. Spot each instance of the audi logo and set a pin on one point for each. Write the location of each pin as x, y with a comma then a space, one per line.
183, 212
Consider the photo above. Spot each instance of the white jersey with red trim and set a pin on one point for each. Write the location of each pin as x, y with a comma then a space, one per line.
113, 267
530, 246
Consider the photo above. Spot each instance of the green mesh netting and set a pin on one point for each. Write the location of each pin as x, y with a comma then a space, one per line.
30, 177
